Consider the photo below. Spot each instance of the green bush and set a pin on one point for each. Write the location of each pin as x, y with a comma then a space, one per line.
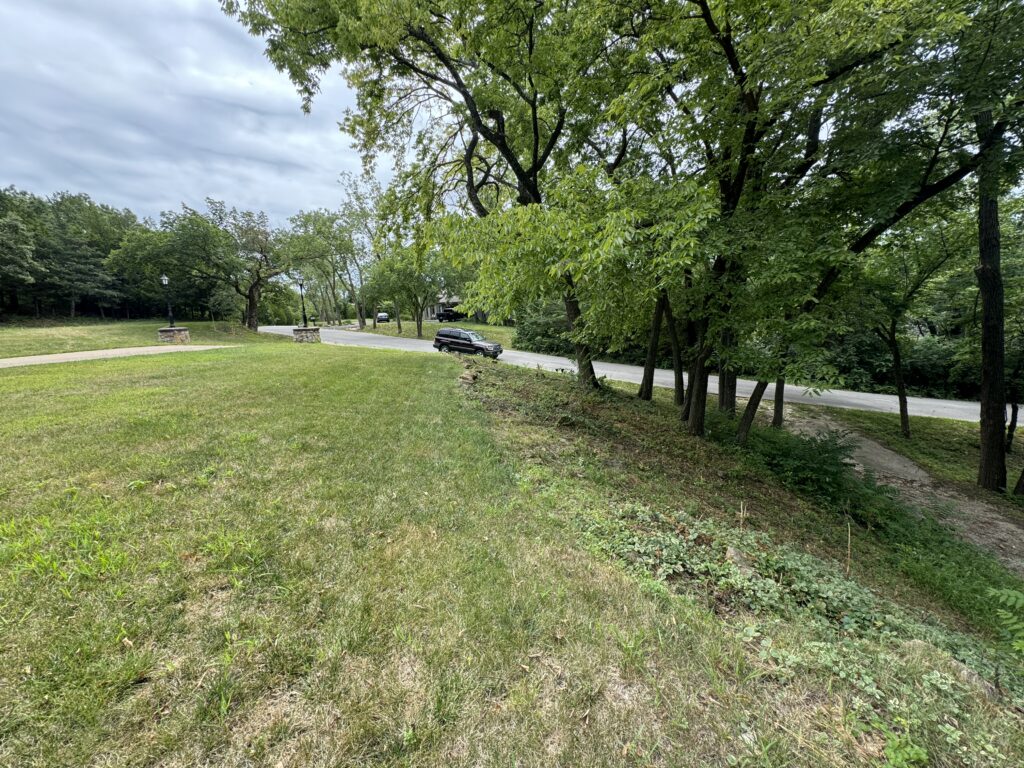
921, 547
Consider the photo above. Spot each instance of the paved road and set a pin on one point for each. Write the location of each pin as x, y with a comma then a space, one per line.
835, 398
102, 354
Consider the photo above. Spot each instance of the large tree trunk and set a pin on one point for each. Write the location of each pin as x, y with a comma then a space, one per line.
779, 409
677, 353
360, 315
419, 321
252, 307
992, 466
750, 412
654, 337
584, 358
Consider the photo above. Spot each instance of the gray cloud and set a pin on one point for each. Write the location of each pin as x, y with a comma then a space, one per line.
147, 104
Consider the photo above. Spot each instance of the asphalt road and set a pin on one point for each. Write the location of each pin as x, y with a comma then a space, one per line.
835, 398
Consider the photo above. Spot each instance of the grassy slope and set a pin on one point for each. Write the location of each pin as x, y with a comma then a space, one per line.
336, 556
43, 338
499, 333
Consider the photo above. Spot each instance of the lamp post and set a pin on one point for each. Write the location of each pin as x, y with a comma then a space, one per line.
302, 298
165, 281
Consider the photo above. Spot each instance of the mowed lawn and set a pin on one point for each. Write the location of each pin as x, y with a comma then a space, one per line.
501, 334
45, 337
315, 556
297, 555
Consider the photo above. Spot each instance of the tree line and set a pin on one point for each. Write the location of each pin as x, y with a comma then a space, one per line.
737, 174
66, 255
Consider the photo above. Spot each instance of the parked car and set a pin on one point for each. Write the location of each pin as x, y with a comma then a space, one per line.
448, 314
383, 317
468, 342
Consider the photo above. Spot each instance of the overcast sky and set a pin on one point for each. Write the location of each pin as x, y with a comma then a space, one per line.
146, 104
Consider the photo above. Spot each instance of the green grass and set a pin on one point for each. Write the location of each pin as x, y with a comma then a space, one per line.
949, 450
48, 337
499, 333
290, 554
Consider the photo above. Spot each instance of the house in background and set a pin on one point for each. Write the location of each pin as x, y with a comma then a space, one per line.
443, 302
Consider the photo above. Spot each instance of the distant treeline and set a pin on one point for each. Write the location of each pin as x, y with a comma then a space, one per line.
67, 255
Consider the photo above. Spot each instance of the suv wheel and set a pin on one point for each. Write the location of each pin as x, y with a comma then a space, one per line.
444, 348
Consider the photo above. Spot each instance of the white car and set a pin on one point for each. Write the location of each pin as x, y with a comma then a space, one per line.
382, 317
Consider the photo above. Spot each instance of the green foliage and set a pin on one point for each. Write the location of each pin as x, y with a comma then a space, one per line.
545, 330
1011, 617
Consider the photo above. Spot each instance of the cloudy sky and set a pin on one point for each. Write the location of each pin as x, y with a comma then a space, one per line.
146, 104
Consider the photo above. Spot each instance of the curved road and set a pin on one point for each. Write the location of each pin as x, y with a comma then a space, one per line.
960, 410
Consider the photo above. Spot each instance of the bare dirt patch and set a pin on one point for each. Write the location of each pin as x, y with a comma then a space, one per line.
976, 520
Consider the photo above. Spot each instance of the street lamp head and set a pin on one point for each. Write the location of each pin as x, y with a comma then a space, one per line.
302, 283
164, 280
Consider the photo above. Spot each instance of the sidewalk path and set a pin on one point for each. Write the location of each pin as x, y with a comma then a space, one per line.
960, 410
103, 354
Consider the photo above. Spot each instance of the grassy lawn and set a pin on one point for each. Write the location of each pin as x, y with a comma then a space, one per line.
501, 334
45, 337
283, 554
948, 449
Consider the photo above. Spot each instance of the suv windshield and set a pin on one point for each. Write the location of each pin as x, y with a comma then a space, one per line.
474, 336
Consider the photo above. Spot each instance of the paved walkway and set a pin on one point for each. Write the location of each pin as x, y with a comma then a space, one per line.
103, 354
960, 410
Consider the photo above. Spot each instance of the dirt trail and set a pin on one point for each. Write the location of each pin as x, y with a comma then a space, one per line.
976, 520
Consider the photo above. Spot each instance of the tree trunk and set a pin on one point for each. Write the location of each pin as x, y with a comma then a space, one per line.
992, 467
1018, 489
779, 410
398, 319
677, 353
893, 343
726, 378
72, 308
750, 412
1012, 427
584, 358
252, 307
691, 374
360, 315
647, 382
698, 401
373, 316
419, 321
727, 392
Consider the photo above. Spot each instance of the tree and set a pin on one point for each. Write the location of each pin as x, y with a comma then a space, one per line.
18, 266
896, 272
322, 247
506, 91
237, 249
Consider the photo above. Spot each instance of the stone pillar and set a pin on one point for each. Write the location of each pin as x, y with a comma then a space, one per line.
309, 335
176, 335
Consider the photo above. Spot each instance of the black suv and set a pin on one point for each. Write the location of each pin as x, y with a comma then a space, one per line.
469, 342
448, 314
